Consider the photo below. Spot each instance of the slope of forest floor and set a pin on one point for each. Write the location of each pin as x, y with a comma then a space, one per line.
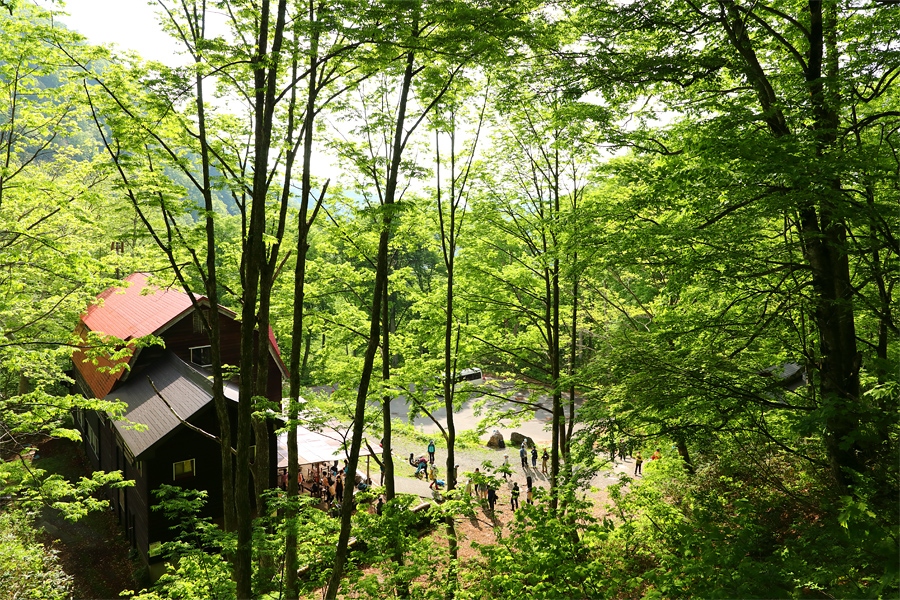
484, 526
93, 550
96, 554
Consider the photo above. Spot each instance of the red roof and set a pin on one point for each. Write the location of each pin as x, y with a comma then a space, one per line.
132, 311
136, 310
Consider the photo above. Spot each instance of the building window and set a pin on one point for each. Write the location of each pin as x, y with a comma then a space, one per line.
93, 440
201, 356
183, 469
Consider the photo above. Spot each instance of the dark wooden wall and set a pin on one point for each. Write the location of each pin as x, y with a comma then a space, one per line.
143, 525
181, 337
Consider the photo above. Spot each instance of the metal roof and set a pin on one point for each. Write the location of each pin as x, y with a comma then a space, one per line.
186, 389
135, 310
314, 447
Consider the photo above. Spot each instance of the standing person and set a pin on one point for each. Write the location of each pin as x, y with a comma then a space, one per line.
638, 460
523, 454
491, 497
514, 496
534, 457
380, 506
339, 488
529, 496
431, 451
469, 487
432, 476
544, 458
506, 469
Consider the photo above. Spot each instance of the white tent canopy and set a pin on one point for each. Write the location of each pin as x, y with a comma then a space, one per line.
314, 447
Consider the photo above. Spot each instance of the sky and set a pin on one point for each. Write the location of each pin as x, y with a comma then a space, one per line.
130, 24
134, 25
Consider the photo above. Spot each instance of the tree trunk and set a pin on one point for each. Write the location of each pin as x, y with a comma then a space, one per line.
307, 345
375, 317
573, 357
296, 371
387, 460
212, 316
358, 420
253, 268
448, 243
553, 327
824, 245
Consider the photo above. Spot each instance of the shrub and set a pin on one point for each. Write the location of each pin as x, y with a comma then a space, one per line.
27, 568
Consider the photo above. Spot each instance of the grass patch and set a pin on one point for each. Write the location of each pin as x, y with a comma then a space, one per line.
469, 439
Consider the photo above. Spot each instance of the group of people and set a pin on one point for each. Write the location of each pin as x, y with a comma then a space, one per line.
621, 447
523, 454
485, 491
421, 464
639, 460
428, 468
322, 481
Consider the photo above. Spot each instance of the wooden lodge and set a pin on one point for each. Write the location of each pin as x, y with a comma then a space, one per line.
165, 451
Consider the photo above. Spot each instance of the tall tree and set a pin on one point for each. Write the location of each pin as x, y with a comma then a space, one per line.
323, 68
247, 148
781, 104
451, 213
541, 162
436, 43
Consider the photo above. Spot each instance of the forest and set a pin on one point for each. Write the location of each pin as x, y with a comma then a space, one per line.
679, 216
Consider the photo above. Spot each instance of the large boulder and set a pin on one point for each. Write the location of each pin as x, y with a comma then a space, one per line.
496, 440
516, 438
